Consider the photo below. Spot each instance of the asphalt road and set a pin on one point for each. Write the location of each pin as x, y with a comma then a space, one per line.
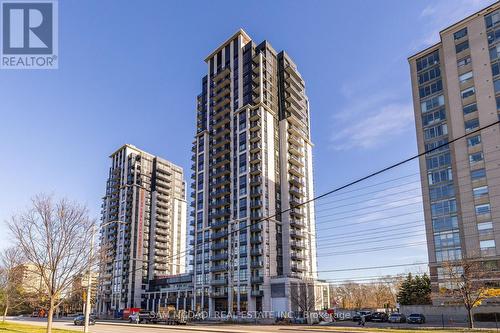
126, 327
112, 327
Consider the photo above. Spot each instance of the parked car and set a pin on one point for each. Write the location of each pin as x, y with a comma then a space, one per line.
397, 318
80, 320
379, 316
143, 317
415, 318
367, 314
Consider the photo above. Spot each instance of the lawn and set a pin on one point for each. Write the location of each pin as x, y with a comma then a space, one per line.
401, 330
23, 328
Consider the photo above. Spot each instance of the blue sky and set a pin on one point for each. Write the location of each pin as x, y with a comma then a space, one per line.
129, 72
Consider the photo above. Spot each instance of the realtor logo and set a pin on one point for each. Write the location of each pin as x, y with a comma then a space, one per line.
29, 35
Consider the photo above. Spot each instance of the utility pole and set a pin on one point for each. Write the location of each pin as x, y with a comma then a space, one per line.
89, 283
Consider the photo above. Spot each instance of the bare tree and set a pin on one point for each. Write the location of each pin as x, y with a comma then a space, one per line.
11, 277
55, 238
469, 282
305, 298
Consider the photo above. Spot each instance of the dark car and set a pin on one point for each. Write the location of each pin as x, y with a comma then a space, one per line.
415, 318
367, 314
397, 318
379, 316
80, 320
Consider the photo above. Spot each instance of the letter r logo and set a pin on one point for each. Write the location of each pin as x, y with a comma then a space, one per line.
27, 28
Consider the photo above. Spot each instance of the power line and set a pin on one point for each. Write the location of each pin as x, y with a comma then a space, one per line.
340, 188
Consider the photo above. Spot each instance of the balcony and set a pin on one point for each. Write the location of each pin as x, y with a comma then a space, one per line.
254, 181
218, 152
220, 234
255, 136
256, 227
256, 251
219, 224
257, 279
298, 268
218, 282
255, 147
296, 171
218, 294
295, 161
255, 170
257, 264
257, 293
297, 181
254, 114
219, 256
297, 245
256, 215
255, 158
219, 203
297, 233
256, 239
219, 245
221, 192
297, 256
255, 126
219, 268
221, 181
220, 213
255, 192
294, 190
296, 212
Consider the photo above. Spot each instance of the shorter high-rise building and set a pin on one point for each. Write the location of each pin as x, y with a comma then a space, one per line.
456, 91
143, 229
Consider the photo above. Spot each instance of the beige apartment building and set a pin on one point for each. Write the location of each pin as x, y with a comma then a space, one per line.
143, 227
456, 90
252, 158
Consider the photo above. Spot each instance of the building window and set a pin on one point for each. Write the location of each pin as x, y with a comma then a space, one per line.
440, 176
438, 161
431, 89
463, 62
431, 74
471, 125
468, 92
441, 192
433, 117
460, 33
448, 254
487, 244
469, 108
447, 239
465, 77
495, 69
480, 192
474, 140
432, 103
476, 157
492, 19
494, 52
493, 36
436, 146
462, 46
445, 207
485, 228
435, 131
496, 85
482, 209
478, 174
428, 60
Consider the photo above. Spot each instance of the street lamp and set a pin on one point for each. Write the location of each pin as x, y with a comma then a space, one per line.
89, 281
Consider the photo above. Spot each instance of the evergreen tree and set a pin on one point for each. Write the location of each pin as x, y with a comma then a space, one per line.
415, 290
